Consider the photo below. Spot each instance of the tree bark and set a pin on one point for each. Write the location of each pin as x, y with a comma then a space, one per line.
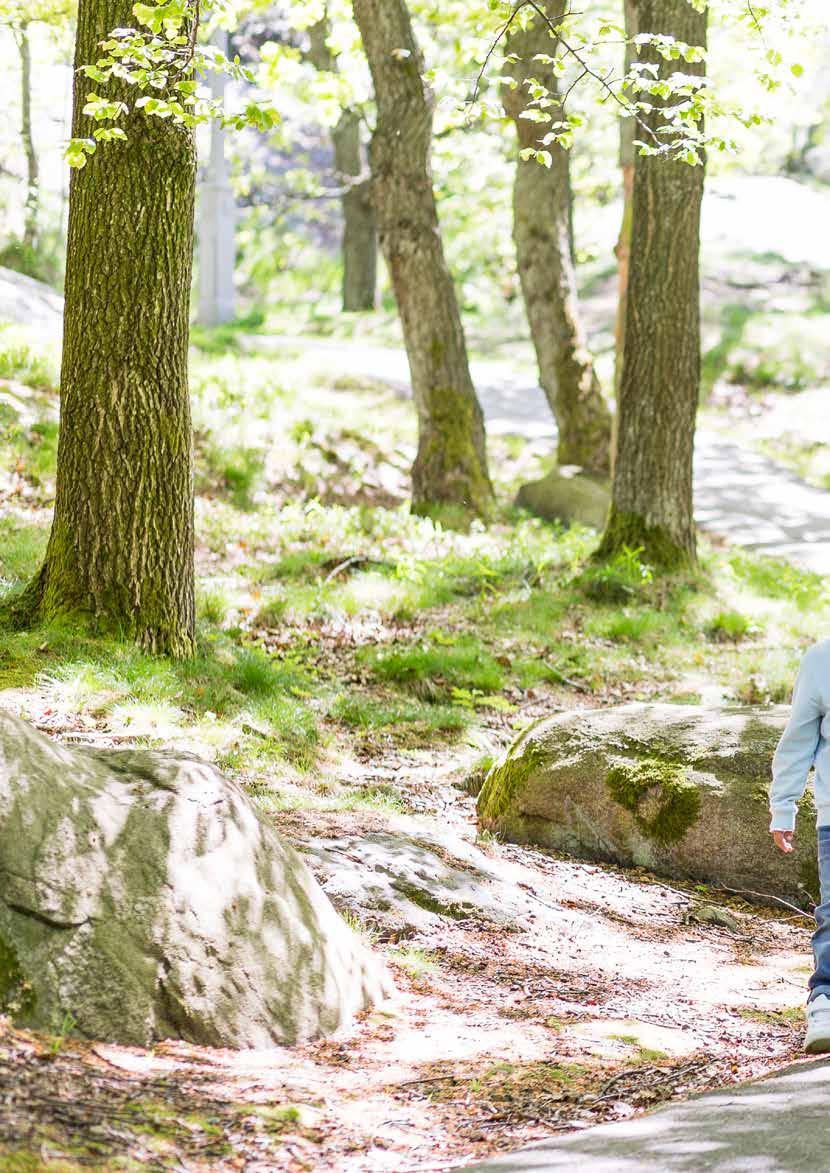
121, 545
623, 248
451, 465
360, 239
359, 247
652, 503
21, 36
542, 233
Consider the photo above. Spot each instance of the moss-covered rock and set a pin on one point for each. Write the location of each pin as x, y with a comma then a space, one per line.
142, 897
568, 495
680, 789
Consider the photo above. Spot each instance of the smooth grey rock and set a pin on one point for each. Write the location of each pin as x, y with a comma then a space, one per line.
679, 789
142, 895
569, 495
415, 880
30, 302
774, 1125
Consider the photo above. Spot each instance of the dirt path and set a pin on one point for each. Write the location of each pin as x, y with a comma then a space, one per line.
536, 995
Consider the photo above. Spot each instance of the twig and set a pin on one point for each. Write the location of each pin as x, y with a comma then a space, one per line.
343, 566
766, 896
555, 32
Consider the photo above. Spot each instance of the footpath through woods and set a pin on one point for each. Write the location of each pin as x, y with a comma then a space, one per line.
776, 1125
740, 495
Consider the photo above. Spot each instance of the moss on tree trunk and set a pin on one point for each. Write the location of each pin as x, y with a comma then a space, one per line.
451, 465
121, 546
542, 233
652, 492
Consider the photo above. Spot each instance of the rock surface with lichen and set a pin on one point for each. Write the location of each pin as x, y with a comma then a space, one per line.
142, 897
678, 789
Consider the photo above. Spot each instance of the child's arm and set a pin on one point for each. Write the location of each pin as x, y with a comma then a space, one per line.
796, 750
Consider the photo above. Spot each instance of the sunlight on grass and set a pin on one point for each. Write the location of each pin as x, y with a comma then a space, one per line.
444, 631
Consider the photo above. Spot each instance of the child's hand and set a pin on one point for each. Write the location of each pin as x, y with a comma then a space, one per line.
783, 840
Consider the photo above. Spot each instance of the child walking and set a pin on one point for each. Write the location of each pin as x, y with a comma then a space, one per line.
804, 743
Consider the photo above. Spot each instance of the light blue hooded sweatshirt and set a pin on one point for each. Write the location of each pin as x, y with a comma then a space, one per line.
804, 742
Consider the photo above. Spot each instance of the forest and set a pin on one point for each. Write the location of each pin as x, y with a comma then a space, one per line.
414, 512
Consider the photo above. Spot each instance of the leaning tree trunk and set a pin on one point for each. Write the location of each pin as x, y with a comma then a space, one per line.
651, 503
121, 546
32, 171
451, 464
541, 230
360, 238
359, 249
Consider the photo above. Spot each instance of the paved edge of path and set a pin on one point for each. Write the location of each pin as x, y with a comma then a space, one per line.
775, 1124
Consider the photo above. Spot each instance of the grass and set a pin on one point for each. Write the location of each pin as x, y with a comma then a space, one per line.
417, 962
442, 661
365, 712
349, 626
27, 360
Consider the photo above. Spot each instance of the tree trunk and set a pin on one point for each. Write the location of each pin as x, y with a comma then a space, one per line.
121, 546
359, 249
360, 242
542, 233
652, 495
21, 36
217, 215
451, 464
623, 247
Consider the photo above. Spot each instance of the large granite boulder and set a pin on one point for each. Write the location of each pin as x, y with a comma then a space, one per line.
142, 897
679, 789
568, 495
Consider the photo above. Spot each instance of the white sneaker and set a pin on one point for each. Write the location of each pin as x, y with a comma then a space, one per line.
817, 1039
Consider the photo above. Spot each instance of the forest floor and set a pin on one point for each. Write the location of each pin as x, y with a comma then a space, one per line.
357, 671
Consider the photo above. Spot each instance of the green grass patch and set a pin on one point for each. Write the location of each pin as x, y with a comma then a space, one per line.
364, 712
22, 547
437, 665
26, 360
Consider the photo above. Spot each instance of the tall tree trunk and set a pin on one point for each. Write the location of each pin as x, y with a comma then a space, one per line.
359, 248
360, 240
623, 248
121, 546
652, 503
217, 215
451, 464
542, 234
30, 220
